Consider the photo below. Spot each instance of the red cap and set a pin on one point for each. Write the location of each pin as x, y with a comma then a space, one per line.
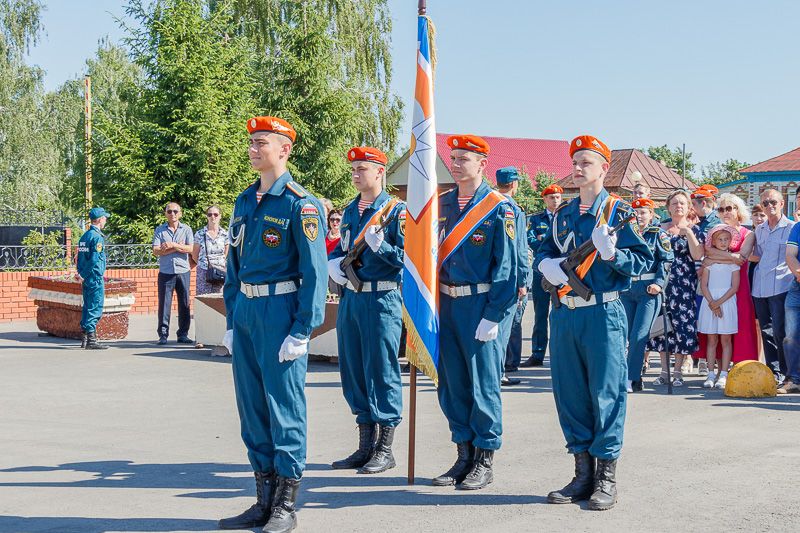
271, 125
471, 143
587, 142
367, 153
552, 189
705, 191
643, 202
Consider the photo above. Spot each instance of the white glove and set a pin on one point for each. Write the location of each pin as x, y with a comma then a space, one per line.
374, 238
292, 348
335, 271
487, 330
552, 271
605, 243
227, 341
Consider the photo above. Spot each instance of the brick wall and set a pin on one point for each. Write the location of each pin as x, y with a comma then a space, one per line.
15, 304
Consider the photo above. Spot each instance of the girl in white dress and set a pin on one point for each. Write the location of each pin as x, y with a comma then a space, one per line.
718, 317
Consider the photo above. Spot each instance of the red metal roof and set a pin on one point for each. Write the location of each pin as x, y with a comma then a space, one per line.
786, 162
532, 154
624, 163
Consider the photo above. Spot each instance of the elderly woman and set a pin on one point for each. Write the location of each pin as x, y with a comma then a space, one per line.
686, 241
643, 300
733, 212
210, 251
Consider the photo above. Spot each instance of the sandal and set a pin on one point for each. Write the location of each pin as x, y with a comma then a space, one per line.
677, 381
660, 380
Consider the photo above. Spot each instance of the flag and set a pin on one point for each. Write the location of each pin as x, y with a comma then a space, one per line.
420, 274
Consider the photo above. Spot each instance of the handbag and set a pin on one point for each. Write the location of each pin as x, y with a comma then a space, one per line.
214, 274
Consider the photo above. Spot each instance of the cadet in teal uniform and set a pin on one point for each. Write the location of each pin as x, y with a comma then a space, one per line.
370, 322
478, 292
274, 297
587, 348
538, 226
508, 184
91, 267
643, 300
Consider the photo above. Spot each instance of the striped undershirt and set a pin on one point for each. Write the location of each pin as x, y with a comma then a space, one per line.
259, 195
363, 204
584, 208
463, 201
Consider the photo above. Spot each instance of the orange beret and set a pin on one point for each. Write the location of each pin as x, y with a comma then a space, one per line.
552, 189
643, 202
587, 142
705, 191
271, 125
367, 153
471, 143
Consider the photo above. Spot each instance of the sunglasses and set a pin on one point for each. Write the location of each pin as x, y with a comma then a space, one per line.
336, 219
215, 215
767, 203
173, 211
726, 209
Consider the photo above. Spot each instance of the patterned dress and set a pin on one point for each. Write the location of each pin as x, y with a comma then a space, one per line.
680, 292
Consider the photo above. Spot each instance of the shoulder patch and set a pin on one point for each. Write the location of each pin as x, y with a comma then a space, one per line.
663, 240
295, 187
98, 247
309, 210
509, 213
510, 228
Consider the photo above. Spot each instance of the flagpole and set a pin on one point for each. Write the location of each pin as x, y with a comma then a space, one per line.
412, 404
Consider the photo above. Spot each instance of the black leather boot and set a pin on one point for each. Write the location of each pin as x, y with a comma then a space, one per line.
258, 514
481, 473
581, 486
84, 338
366, 445
382, 458
283, 518
604, 496
91, 342
460, 468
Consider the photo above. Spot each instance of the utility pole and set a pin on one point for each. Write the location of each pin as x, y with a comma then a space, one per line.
87, 141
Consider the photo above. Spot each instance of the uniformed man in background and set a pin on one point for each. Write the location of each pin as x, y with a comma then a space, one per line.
274, 297
91, 268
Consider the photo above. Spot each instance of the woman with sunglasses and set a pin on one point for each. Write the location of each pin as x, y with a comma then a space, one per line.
733, 212
333, 236
210, 251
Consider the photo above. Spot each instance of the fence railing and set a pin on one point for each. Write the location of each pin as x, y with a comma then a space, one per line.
59, 257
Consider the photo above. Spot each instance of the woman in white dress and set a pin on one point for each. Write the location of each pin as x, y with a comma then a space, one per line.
718, 317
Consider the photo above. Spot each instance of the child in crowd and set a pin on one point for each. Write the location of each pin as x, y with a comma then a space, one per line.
718, 317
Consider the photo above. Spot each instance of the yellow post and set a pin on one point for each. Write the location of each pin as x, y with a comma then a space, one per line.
87, 140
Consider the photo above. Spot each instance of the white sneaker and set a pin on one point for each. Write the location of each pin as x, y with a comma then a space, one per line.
702, 368
687, 367
629, 386
709, 382
720, 384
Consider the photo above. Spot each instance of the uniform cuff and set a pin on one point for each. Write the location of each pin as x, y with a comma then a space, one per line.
300, 331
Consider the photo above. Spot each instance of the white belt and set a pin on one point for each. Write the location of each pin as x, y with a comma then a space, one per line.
376, 286
575, 301
457, 291
644, 277
268, 289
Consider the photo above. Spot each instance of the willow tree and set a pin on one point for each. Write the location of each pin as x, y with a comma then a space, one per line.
325, 65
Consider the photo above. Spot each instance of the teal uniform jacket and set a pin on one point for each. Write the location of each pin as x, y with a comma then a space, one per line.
587, 347
92, 267
538, 226
641, 307
280, 239
524, 280
470, 370
369, 324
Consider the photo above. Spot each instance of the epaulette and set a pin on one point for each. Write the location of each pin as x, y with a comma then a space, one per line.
652, 229
298, 190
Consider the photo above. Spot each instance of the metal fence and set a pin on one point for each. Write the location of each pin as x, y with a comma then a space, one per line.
49, 257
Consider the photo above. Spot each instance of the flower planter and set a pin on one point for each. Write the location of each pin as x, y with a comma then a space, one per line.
59, 302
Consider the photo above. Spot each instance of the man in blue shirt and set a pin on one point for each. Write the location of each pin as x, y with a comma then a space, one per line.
477, 293
172, 243
91, 267
369, 322
588, 337
274, 298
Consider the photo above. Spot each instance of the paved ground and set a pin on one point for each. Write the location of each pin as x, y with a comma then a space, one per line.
145, 438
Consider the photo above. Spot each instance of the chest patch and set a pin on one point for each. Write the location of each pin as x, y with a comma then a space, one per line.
478, 238
271, 237
311, 228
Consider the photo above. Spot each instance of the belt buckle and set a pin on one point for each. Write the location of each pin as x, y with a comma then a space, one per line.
452, 291
248, 290
570, 303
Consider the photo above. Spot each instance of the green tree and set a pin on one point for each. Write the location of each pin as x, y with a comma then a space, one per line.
529, 197
185, 138
671, 158
332, 62
723, 172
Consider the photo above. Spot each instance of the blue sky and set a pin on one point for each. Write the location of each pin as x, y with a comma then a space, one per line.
721, 76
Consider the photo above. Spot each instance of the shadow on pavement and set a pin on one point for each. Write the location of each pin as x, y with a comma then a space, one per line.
77, 524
